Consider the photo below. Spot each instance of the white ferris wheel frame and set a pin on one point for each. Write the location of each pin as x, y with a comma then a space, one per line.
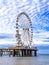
19, 42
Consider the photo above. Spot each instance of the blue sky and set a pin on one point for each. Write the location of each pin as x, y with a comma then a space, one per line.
38, 11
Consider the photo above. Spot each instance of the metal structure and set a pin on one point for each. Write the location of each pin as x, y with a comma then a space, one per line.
24, 30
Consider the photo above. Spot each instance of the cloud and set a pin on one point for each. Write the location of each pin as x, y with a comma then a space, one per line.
41, 37
7, 42
6, 36
38, 12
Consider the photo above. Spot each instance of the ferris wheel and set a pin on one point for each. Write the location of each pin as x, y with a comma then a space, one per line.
24, 30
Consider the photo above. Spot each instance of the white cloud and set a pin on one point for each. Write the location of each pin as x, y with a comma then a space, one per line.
8, 15
7, 42
2, 10
24, 0
41, 37
44, 1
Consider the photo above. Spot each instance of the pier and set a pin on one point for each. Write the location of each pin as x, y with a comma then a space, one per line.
19, 51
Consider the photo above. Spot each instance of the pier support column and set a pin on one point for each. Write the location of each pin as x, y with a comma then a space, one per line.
1, 52
30, 52
35, 53
14, 52
22, 52
26, 52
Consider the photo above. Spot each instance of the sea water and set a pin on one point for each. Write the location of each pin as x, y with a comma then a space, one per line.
38, 60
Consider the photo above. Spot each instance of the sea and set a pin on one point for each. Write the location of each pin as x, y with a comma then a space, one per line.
41, 59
